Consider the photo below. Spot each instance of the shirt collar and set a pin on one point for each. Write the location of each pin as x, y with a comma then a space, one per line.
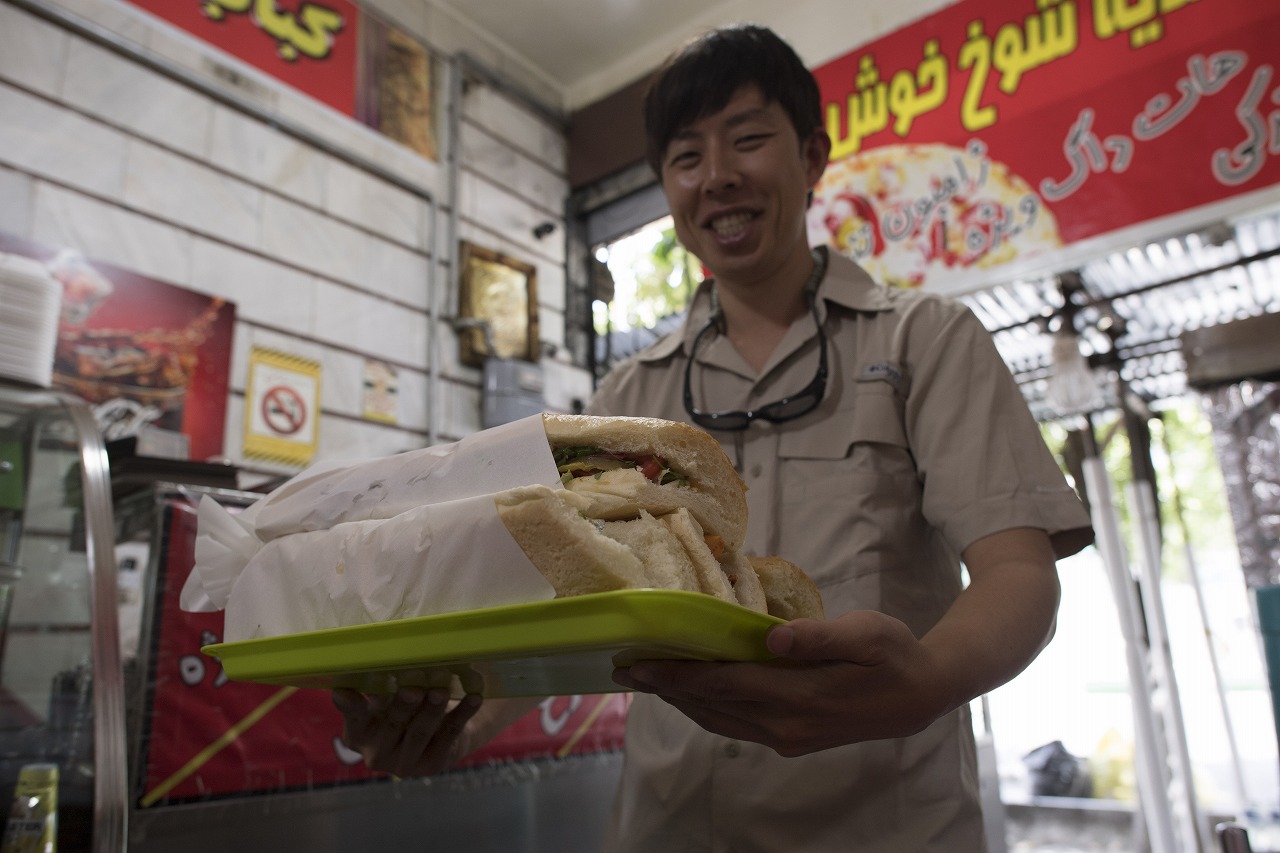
845, 284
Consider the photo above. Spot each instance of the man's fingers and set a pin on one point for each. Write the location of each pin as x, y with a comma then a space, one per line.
703, 683
443, 747
384, 735
858, 637
349, 701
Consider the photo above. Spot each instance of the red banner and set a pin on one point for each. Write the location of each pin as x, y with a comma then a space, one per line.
207, 736
998, 130
311, 46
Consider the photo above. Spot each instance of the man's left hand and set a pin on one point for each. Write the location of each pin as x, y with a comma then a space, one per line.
863, 676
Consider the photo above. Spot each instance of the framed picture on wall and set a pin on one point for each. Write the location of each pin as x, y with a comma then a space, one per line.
497, 307
398, 86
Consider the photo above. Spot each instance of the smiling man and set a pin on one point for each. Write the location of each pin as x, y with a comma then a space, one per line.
883, 442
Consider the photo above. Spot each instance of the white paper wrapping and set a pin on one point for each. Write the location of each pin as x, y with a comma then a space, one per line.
354, 543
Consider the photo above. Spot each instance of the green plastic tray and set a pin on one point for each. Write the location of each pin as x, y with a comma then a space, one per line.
566, 646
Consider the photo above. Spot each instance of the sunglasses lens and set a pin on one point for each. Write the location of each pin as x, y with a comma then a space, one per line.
721, 420
785, 410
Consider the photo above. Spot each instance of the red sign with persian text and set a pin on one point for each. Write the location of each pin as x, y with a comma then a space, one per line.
998, 130
311, 46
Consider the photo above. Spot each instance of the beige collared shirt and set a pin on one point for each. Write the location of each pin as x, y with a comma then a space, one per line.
922, 445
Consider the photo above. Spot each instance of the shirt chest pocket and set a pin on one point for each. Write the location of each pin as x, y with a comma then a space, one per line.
859, 454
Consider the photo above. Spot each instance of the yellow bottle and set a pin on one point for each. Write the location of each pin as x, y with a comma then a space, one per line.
33, 818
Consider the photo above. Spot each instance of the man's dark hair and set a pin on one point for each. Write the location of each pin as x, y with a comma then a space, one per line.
701, 77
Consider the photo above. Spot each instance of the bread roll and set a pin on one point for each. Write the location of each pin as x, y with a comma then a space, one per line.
713, 491
568, 549
790, 593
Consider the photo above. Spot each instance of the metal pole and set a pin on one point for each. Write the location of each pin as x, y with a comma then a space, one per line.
1149, 757
1182, 794
1193, 571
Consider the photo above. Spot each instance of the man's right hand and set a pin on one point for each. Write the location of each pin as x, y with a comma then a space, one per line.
416, 731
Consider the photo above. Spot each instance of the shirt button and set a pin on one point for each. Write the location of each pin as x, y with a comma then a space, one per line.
755, 470
733, 749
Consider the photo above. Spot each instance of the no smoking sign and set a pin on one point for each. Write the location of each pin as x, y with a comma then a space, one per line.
281, 407
283, 410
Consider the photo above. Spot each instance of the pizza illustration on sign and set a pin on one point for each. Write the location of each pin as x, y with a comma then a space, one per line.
912, 214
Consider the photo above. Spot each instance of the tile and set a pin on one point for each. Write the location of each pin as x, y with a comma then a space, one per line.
123, 19
369, 325
509, 166
107, 233
365, 200
551, 286
341, 382
127, 95
398, 273
266, 156
519, 126
565, 384
551, 328
264, 291
457, 411
49, 141
413, 409
17, 193
508, 217
342, 438
178, 189
364, 145
32, 51
313, 241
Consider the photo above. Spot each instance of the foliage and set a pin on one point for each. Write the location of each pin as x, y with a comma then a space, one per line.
654, 276
1188, 478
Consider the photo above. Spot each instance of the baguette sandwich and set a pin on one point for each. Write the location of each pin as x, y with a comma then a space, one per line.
646, 503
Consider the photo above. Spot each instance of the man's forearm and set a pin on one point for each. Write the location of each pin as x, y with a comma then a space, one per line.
1002, 620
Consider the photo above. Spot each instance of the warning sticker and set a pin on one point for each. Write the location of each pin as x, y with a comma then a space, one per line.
282, 402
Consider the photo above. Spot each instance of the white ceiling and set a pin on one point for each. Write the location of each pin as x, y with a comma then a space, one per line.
586, 49
589, 48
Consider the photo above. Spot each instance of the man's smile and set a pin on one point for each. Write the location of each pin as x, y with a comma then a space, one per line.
731, 224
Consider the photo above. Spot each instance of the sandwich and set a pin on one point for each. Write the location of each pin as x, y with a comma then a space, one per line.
646, 503
624, 465
790, 592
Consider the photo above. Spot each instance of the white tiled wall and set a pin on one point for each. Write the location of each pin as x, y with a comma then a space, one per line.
323, 259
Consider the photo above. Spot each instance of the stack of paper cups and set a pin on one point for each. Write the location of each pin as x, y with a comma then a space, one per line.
30, 301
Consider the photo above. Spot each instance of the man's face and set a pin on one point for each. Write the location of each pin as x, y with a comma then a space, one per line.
737, 183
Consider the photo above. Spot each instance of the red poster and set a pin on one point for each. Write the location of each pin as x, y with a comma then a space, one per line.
999, 130
560, 726
142, 352
207, 736
311, 46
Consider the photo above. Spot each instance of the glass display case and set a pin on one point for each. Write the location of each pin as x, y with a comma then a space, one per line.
61, 686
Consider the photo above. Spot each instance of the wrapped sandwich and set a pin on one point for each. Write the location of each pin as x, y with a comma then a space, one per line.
549, 506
